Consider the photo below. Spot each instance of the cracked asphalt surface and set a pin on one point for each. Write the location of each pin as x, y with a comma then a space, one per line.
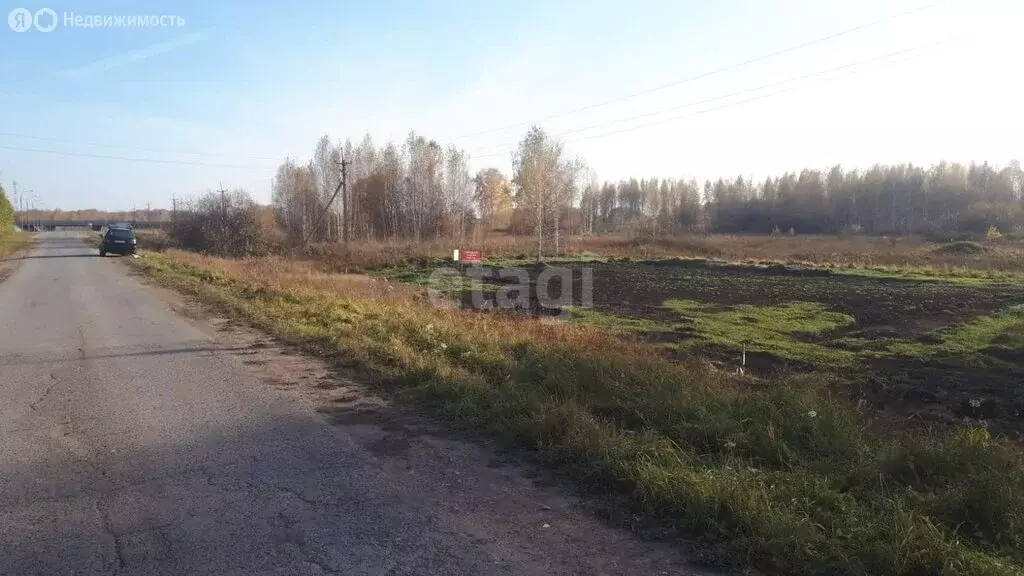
134, 442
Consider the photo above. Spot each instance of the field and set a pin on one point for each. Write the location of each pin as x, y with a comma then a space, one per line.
857, 412
935, 350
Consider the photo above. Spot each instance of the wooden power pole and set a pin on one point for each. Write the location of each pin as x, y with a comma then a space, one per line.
341, 187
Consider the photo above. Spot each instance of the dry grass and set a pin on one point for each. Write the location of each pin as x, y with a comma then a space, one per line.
11, 243
153, 239
830, 251
277, 273
854, 251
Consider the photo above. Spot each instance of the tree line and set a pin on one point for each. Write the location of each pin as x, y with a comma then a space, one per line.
901, 199
419, 189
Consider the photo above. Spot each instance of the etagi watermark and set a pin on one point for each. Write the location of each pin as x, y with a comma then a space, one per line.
552, 291
47, 20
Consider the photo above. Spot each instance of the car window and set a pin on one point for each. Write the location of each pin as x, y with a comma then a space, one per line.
119, 234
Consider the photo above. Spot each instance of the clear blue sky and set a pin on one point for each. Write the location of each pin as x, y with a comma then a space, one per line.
248, 83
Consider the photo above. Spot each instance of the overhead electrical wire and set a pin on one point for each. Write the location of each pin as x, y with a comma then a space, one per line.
851, 67
130, 159
710, 73
132, 148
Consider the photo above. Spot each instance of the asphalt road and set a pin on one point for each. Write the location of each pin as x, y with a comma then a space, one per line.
134, 443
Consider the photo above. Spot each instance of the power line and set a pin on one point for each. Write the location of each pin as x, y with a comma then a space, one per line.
135, 149
713, 72
129, 159
756, 89
853, 65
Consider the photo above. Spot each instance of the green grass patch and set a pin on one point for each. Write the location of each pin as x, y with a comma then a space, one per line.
779, 475
884, 347
440, 275
1005, 329
778, 330
615, 323
768, 329
971, 342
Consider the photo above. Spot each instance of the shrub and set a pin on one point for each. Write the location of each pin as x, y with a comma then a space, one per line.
964, 247
225, 224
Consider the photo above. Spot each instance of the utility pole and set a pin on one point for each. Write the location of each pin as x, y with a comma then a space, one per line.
342, 187
346, 220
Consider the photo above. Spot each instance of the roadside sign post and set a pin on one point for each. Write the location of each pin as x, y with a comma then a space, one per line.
467, 257
471, 257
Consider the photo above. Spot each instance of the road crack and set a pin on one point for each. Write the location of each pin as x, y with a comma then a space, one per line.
301, 497
45, 393
108, 529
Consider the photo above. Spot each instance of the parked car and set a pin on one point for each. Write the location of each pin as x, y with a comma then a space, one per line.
118, 241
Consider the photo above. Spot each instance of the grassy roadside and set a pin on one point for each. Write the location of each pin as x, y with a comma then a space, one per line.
11, 243
780, 475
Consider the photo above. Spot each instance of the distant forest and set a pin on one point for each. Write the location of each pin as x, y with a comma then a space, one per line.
420, 189
890, 200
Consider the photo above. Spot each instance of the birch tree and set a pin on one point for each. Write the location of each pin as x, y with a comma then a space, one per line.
539, 176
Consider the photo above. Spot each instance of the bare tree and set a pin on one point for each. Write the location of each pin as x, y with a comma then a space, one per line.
293, 196
458, 188
326, 171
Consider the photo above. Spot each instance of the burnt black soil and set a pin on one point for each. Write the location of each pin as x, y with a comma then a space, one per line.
882, 307
902, 308
988, 385
948, 390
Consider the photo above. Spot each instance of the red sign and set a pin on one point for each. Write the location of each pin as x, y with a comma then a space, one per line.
471, 256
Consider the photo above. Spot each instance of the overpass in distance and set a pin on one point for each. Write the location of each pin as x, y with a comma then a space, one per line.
54, 224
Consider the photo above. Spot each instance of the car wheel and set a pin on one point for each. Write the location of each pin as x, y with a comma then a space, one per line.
102, 254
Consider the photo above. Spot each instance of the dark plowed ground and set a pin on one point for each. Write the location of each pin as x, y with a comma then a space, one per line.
931, 390
900, 308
